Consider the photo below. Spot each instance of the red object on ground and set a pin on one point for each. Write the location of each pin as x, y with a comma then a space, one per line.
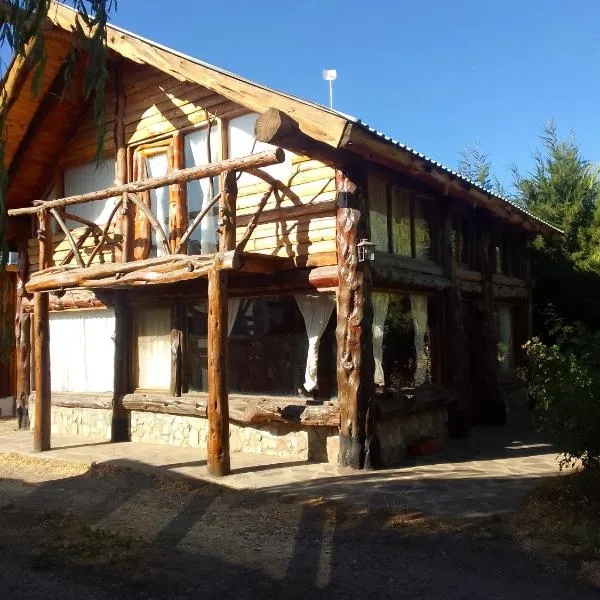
422, 447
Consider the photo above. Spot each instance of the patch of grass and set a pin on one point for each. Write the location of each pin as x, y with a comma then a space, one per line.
560, 520
65, 541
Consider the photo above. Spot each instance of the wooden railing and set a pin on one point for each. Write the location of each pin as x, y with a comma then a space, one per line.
128, 194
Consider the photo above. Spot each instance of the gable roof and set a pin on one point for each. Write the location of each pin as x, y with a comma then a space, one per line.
331, 127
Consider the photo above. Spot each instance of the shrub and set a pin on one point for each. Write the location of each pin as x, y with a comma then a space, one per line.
565, 387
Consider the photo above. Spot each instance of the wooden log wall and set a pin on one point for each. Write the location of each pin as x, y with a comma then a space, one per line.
299, 223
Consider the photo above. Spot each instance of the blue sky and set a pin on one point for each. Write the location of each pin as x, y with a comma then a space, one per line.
437, 75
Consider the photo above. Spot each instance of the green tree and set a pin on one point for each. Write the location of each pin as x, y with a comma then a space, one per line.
475, 165
22, 24
562, 189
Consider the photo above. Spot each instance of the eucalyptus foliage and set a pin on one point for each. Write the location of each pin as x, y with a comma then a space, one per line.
21, 29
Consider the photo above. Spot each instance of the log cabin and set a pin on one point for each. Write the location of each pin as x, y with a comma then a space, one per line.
244, 270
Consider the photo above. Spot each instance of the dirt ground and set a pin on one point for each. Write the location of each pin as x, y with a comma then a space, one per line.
70, 532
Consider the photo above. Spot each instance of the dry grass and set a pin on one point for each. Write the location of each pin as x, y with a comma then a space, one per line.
561, 521
32, 469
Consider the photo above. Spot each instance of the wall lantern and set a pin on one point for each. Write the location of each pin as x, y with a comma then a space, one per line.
366, 251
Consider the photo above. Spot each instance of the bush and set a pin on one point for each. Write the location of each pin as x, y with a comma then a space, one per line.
565, 387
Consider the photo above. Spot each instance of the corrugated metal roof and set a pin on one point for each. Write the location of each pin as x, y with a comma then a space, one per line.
452, 173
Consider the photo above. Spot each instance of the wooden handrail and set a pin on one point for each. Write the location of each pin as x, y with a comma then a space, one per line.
261, 159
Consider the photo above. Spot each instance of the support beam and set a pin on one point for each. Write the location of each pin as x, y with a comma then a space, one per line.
41, 430
177, 313
41, 333
123, 333
455, 346
227, 212
23, 340
177, 196
122, 226
218, 461
355, 362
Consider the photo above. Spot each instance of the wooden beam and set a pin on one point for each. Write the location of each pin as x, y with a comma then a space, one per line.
41, 430
41, 333
261, 159
355, 361
123, 224
177, 329
120, 430
23, 339
177, 193
218, 461
227, 212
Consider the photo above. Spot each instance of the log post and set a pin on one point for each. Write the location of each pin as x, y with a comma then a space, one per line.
355, 362
41, 332
22, 340
227, 212
176, 347
492, 407
177, 196
218, 462
120, 415
456, 348
122, 226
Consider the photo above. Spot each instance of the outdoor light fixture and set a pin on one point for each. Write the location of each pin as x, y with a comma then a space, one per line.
330, 75
366, 251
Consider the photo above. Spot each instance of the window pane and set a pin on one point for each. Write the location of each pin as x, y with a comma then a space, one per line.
153, 337
90, 178
408, 339
197, 345
378, 213
401, 222
422, 230
157, 166
204, 239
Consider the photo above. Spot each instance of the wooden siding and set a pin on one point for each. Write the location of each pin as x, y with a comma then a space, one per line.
300, 225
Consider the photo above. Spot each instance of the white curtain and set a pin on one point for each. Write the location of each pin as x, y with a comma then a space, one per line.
204, 240
153, 329
232, 311
90, 178
316, 311
82, 351
418, 305
157, 166
380, 308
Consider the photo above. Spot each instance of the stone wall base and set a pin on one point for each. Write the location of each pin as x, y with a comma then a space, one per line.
279, 439
394, 435
87, 422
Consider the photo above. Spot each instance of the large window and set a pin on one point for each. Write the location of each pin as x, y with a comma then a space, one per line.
153, 349
91, 177
277, 345
504, 329
405, 216
157, 165
406, 339
197, 151
82, 350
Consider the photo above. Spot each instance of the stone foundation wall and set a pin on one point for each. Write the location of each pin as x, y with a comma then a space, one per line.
87, 422
394, 435
278, 439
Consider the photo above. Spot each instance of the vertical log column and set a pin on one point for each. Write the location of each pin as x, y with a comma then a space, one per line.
492, 405
218, 460
455, 340
41, 333
355, 362
121, 386
177, 197
23, 341
123, 225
